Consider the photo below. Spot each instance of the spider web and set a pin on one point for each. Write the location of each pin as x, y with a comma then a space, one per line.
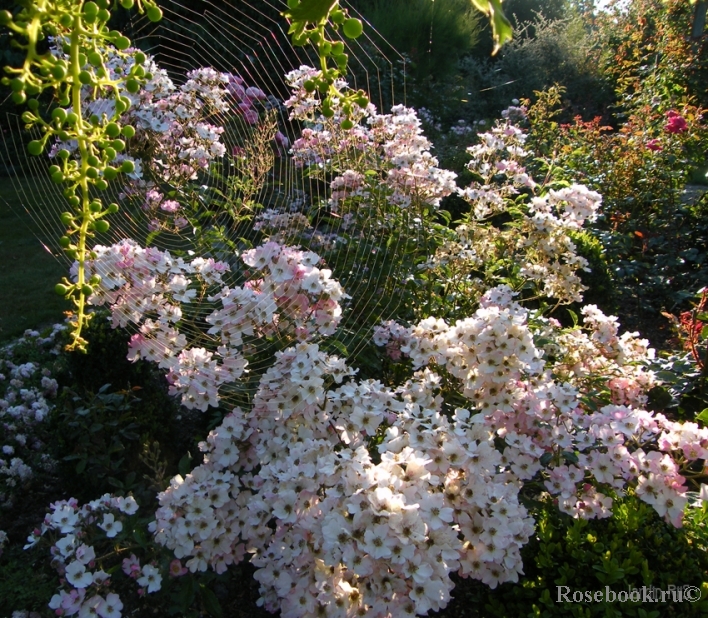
248, 39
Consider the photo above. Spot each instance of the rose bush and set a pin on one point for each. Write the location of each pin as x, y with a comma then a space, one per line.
390, 393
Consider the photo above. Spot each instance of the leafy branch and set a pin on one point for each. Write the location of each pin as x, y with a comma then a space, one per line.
76, 63
309, 20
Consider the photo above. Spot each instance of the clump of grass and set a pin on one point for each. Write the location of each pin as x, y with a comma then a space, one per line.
29, 270
432, 34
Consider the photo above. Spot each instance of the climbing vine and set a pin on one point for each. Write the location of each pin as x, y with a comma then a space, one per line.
67, 45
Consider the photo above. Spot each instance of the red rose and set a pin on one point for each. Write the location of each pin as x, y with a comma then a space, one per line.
676, 123
654, 144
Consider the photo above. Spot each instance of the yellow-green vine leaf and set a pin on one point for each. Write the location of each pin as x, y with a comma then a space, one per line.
482, 6
501, 26
310, 11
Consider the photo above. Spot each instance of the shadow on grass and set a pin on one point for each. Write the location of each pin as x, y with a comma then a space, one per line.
28, 269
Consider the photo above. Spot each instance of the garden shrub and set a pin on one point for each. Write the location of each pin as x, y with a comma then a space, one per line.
650, 236
648, 49
666, 256
641, 156
598, 279
632, 549
98, 440
641, 168
548, 48
432, 35
543, 53
393, 400
523, 12
685, 372
28, 390
103, 429
26, 582
404, 65
107, 357
558, 52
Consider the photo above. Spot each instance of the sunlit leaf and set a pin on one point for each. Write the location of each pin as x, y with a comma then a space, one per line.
311, 11
502, 31
501, 26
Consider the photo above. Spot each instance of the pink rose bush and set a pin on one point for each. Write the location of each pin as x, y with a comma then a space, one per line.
537, 245
400, 164
381, 535
676, 125
27, 395
178, 132
291, 298
556, 410
74, 532
353, 495
350, 533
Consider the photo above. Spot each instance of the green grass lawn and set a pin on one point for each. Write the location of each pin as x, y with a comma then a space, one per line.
28, 271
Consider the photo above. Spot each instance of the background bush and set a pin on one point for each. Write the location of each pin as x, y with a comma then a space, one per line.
544, 52
634, 548
433, 35
111, 413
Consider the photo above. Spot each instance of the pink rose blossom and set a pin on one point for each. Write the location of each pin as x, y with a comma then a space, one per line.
676, 123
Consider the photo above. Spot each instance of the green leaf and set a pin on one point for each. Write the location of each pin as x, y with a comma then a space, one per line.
185, 596
339, 346
311, 11
573, 316
703, 416
296, 28
570, 457
81, 466
501, 26
211, 603
659, 398
139, 536
445, 216
185, 464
